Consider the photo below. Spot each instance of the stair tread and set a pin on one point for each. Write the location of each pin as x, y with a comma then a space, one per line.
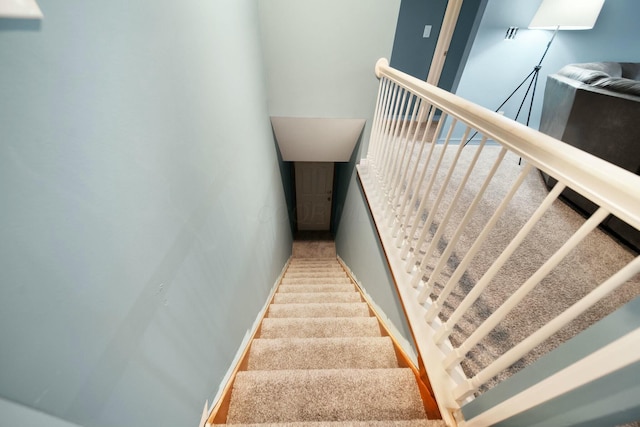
314, 280
323, 327
319, 310
322, 353
307, 273
336, 287
333, 265
388, 423
310, 297
325, 394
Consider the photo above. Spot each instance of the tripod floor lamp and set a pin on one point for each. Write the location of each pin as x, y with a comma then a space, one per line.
555, 15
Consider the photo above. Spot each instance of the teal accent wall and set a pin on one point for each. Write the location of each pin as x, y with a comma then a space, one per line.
143, 219
608, 401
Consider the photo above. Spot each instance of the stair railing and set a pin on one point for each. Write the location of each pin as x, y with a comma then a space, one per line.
407, 176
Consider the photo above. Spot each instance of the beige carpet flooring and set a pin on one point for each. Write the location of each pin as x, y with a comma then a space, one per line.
319, 358
592, 262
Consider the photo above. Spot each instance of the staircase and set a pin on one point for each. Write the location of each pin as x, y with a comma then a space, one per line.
320, 357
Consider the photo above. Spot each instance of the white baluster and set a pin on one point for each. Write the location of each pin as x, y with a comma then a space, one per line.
376, 119
390, 133
435, 207
479, 287
384, 134
425, 197
424, 293
406, 206
560, 321
498, 315
437, 305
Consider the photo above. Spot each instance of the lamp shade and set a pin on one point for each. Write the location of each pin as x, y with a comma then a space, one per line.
566, 14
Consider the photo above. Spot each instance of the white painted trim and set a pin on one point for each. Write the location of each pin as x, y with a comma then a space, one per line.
444, 40
615, 356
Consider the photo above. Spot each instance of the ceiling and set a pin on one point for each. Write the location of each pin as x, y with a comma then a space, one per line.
304, 139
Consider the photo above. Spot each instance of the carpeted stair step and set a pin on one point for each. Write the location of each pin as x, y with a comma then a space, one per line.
314, 280
314, 248
340, 287
400, 423
308, 261
319, 310
316, 269
311, 297
307, 273
325, 394
319, 266
323, 327
322, 353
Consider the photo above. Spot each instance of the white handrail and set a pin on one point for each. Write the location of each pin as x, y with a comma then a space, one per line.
399, 176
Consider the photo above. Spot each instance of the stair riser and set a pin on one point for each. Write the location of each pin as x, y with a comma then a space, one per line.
326, 266
318, 310
308, 274
317, 266
322, 353
314, 281
316, 297
316, 288
320, 327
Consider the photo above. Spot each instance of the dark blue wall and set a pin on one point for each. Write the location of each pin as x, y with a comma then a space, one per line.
412, 53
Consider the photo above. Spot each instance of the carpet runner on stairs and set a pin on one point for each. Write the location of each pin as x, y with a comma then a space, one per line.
320, 359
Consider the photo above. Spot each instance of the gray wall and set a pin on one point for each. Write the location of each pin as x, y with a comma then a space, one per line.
143, 221
496, 66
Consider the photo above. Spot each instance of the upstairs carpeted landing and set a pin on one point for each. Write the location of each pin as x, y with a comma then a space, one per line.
320, 359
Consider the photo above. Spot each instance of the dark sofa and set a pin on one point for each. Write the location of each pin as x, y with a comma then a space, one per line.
596, 107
